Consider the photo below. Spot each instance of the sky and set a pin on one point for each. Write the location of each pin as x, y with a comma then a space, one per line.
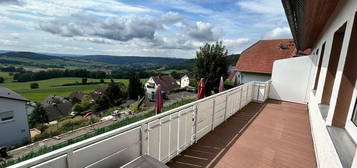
162, 28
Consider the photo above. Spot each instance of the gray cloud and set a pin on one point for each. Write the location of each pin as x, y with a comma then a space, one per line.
113, 28
12, 2
119, 29
201, 31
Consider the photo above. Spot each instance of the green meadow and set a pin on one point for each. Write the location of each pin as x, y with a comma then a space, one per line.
53, 86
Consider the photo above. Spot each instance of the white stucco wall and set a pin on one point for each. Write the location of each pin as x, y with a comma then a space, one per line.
246, 77
291, 79
14, 131
185, 81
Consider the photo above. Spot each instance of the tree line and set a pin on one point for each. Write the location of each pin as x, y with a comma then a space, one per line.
56, 73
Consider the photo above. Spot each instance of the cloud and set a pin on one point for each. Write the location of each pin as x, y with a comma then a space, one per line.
202, 31
186, 6
278, 33
136, 31
271, 7
237, 45
10, 2
7, 42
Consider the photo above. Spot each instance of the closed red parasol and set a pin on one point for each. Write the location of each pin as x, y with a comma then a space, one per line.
221, 85
159, 100
201, 89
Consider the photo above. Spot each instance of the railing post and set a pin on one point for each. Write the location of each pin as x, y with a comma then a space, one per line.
214, 110
258, 92
225, 110
70, 160
196, 118
240, 99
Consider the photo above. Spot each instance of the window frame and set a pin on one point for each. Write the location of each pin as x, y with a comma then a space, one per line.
8, 119
350, 126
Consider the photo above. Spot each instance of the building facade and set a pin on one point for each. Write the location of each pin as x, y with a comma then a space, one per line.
256, 62
331, 33
14, 127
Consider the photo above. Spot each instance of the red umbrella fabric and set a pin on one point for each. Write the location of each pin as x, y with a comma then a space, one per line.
201, 89
159, 100
221, 85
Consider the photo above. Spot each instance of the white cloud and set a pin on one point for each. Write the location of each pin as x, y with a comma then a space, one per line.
236, 45
271, 7
278, 33
7, 42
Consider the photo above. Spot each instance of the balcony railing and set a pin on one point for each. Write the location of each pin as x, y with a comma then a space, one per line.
162, 136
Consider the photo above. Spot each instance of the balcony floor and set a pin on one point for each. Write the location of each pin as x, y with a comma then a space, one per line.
274, 134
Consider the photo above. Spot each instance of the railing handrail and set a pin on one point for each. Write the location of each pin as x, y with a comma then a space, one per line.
73, 147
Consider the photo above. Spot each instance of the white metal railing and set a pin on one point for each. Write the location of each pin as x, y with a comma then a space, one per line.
162, 136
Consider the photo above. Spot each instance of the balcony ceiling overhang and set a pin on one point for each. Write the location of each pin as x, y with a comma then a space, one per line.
307, 19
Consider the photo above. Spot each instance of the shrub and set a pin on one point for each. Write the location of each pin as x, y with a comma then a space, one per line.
34, 85
84, 81
2, 80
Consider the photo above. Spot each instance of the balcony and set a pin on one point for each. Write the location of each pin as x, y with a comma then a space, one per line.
237, 127
273, 134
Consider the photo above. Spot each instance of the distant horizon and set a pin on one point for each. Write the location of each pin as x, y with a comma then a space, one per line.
75, 55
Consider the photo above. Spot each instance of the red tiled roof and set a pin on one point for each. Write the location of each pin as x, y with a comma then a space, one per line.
166, 82
259, 57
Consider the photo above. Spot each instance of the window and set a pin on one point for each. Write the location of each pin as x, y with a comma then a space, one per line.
319, 66
354, 117
6, 116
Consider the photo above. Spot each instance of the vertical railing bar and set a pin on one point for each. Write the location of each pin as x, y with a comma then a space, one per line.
258, 92
70, 160
141, 140
225, 108
240, 99
196, 118
214, 111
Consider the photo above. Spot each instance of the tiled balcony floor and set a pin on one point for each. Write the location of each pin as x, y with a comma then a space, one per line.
277, 136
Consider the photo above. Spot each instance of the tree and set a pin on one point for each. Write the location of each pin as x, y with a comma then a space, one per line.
84, 81
135, 87
34, 85
211, 64
101, 103
38, 115
175, 75
84, 106
115, 93
2, 80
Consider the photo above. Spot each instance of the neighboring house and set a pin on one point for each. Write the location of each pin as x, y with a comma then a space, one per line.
57, 107
77, 96
97, 92
186, 80
14, 127
256, 62
166, 82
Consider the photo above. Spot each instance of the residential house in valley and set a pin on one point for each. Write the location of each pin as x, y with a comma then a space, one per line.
166, 82
186, 80
57, 107
14, 127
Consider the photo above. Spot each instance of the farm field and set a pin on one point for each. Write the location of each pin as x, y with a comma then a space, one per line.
54, 87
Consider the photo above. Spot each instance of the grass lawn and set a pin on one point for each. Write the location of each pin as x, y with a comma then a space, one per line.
6, 76
54, 87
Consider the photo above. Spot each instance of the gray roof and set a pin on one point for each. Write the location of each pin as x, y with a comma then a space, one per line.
9, 94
